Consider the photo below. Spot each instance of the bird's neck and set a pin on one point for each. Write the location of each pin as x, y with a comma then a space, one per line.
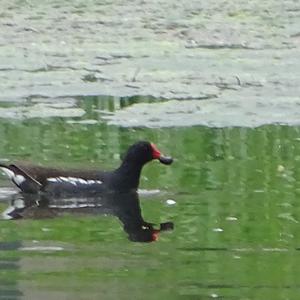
127, 176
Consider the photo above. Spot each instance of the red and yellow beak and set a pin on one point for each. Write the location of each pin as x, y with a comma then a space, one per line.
156, 154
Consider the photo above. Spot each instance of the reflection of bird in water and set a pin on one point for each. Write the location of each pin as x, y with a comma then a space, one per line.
125, 206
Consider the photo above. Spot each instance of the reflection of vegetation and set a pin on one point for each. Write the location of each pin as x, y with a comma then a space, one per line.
109, 103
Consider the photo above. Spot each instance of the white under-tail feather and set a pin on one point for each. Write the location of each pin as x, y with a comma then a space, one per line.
16, 178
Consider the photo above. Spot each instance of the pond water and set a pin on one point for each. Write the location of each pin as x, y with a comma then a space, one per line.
224, 83
234, 206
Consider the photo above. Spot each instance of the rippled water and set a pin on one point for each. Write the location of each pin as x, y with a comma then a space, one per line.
231, 193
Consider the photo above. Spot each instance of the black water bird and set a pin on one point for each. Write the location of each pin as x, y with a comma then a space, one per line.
35, 179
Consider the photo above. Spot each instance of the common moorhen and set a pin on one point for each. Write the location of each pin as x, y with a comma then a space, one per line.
35, 179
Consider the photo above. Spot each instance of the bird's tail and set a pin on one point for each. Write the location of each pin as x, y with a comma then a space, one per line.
20, 178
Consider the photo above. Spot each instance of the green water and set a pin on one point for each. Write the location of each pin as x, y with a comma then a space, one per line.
236, 215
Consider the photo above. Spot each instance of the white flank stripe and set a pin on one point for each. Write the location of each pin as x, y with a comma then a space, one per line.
52, 179
70, 206
73, 180
64, 178
90, 181
82, 181
68, 179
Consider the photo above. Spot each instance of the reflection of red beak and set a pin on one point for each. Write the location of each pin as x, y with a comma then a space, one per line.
157, 155
155, 235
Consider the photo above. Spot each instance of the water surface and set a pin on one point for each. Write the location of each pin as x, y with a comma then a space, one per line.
232, 192
236, 215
